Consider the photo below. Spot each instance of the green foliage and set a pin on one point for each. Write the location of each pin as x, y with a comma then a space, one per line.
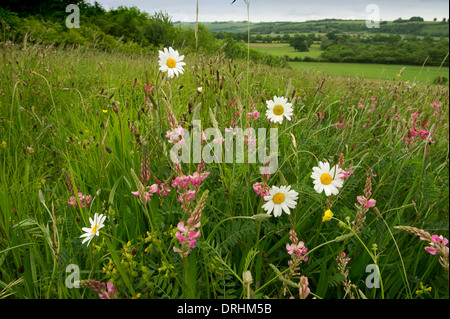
123, 29
385, 49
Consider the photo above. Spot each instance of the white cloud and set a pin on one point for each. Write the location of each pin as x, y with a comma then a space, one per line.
286, 10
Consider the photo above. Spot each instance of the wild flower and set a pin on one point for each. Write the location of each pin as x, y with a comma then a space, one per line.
171, 62
279, 108
303, 287
147, 193
85, 200
297, 250
188, 232
280, 199
365, 202
253, 115
104, 291
326, 179
418, 131
96, 224
261, 189
437, 244
342, 261
176, 135
327, 215
435, 106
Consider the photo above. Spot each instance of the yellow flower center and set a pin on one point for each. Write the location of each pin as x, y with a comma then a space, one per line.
171, 63
278, 110
278, 198
94, 229
326, 179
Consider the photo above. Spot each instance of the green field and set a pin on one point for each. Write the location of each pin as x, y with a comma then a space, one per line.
284, 49
411, 73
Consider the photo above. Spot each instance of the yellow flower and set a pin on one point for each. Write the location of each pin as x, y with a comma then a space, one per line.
4, 144
399, 75
105, 111
327, 216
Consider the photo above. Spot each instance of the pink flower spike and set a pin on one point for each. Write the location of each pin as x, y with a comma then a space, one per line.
371, 203
361, 199
431, 250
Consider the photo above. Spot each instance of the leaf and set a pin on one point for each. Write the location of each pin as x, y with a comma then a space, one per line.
113, 191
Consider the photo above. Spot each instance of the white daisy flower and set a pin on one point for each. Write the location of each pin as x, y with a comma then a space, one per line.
93, 231
279, 108
280, 198
171, 62
326, 179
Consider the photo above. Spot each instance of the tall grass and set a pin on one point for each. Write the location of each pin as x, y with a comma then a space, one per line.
78, 118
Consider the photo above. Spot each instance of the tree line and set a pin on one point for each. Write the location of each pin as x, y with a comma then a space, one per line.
125, 29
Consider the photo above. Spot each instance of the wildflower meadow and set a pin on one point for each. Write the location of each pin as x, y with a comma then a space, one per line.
178, 174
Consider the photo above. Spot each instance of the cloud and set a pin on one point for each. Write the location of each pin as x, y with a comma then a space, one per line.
286, 10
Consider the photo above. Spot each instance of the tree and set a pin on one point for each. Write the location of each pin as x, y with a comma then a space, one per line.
419, 19
299, 43
286, 38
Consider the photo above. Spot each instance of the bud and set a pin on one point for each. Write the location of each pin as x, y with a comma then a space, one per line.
343, 237
247, 277
261, 217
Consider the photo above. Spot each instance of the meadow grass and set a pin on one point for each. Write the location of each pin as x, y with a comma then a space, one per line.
77, 120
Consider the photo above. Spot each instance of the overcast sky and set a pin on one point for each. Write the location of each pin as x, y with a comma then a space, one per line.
286, 10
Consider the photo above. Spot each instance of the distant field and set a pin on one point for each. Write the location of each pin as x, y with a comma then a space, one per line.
375, 71
283, 49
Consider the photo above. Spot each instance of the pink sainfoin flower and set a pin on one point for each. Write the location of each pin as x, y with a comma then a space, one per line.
339, 124
419, 131
342, 261
435, 106
188, 232
85, 200
365, 202
253, 115
303, 288
346, 172
297, 250
261, 189
107, 292
188, 236
147, 193
176, 135
163, 189
437, 244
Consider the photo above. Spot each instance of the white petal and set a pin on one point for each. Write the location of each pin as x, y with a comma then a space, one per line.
285, 208
277, 211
